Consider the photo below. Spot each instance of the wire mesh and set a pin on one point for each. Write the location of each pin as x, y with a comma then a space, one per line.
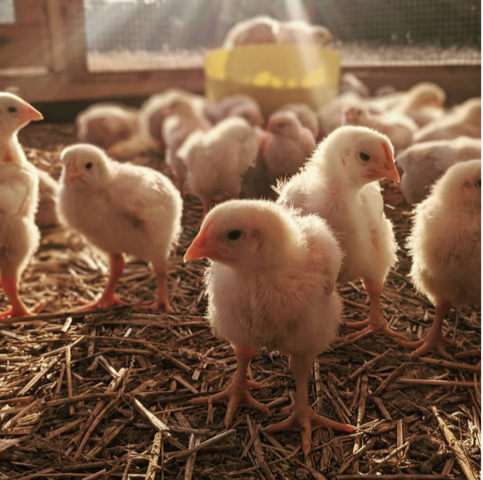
7, 11
137, 34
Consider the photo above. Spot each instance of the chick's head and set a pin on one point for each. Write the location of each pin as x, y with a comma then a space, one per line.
284, 123
85, 166
461, 184
365, 155
245, 234
250, 113
15, 113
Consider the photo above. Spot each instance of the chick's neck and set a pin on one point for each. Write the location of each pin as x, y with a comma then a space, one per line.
10, 151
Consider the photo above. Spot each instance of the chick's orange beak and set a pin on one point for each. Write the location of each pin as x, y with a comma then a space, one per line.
72, 173
390, 171
29, 114
202, 247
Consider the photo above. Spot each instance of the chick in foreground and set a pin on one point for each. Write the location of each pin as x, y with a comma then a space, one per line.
19, 185
217, 160
286, 145
339, 183
445, 244
120, 208
423, 163
271, 283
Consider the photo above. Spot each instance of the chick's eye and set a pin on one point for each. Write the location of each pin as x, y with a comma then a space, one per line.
365, 157
234, 235
11, 109
478, 183
88, 166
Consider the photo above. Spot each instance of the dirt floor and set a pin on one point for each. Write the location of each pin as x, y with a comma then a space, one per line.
105, 394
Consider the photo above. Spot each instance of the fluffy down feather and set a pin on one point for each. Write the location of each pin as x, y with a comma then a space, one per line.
445, 242
271, 283
286, 146
256, 30
241, 106
305, 115
217, 160
338, 184
105, 124
464, 120
19, 186
120, 208
397, 126
423, 163
46, 215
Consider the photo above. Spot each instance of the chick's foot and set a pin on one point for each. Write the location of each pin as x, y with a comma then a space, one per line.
306, 420
235, 396
433, 342
16, 312
103, 302
373, 325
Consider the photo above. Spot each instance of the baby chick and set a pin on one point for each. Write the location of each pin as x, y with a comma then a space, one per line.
397, 126
305, 115
216, 160
105, 124
339, 184
464, 120
271, 283
286, 146
300, 32
19, 185
46, 215
120, 208
182, 120
352, 83
256, 30
235, 106
445, 244
423, 163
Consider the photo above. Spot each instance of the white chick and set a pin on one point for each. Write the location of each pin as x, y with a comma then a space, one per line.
152, 115
423, 163
339, 184
46, 215
397, 126
19, 184
235, 106
331, 116
300, 32
120, 208
305, 115
423, 103
445, 244
465, 120
256, 30
286, 146
182, 121
217, 160
271, 283
105, 124
352, 83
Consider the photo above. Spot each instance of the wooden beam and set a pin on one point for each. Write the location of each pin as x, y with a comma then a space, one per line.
459, 81
30, 12
24, 46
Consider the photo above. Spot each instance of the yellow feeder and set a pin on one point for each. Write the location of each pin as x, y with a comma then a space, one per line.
274, 74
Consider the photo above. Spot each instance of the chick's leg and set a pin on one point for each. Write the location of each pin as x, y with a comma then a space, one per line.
162, 301
18, 308
303, 417
375, 322
107, 299
435, 340
238, 393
